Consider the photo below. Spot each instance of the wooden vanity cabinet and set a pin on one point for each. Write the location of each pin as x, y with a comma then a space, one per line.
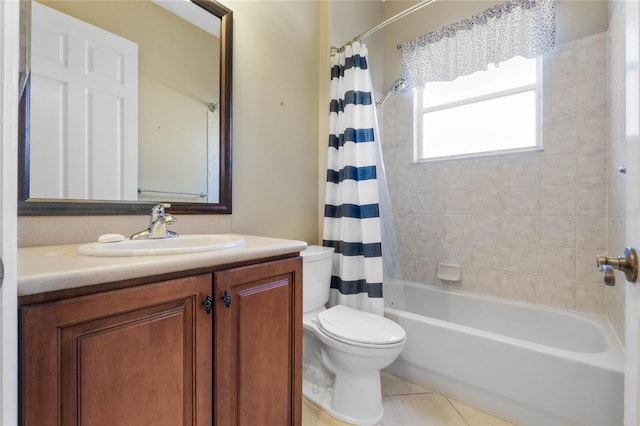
134, 356
155, 354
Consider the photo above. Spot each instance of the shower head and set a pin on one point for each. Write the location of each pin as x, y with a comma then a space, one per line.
397, 86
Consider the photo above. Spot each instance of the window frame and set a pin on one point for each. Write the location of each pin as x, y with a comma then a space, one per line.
419, 111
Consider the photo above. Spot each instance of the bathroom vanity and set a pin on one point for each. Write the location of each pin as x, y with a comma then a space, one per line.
189, 339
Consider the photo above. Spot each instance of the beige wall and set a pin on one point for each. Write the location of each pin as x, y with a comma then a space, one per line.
275, 151
350, 18
324, 63
275, 165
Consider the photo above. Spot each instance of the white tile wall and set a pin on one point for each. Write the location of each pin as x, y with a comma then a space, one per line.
522, 226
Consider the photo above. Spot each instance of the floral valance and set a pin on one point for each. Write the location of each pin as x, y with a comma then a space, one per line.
514, 28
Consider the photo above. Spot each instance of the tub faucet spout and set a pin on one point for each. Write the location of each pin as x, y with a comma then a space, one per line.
628, 263
609, 275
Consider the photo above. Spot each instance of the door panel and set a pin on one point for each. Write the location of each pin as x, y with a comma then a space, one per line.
84, 110
264, 345
258, 344
101, 386
136, 356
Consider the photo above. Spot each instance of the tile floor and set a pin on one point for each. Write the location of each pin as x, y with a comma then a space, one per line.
407, 404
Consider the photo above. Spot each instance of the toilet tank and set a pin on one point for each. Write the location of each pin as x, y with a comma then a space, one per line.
316, 276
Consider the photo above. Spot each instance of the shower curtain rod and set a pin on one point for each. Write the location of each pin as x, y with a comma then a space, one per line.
391, 20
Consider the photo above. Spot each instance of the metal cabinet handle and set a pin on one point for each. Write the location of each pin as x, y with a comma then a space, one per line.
226, 298
1, 272
208, 304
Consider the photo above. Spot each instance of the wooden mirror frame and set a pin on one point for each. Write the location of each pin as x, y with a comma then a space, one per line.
55, 207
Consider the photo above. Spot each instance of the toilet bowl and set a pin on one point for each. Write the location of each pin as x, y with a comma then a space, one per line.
343, 349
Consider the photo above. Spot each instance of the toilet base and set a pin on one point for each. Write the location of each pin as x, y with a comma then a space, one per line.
323, 397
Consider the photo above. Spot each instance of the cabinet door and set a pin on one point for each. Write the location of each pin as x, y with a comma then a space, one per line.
258, 344
136, 356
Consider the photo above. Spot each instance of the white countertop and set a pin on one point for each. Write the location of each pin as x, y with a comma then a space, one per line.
51, 268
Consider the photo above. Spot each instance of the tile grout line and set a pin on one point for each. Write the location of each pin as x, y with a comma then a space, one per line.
457, 411
410, 393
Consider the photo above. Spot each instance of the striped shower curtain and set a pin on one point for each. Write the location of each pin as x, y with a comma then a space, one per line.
351, 213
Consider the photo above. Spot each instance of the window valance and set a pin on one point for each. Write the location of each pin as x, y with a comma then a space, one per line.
514, 28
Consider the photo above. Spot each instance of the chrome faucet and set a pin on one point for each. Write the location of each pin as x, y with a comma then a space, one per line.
158, 222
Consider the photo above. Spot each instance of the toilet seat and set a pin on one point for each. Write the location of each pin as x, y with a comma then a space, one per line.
359, 328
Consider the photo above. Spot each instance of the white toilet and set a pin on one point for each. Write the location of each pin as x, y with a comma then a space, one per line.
343, 349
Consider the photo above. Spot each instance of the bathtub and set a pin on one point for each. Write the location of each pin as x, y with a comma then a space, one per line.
529, 364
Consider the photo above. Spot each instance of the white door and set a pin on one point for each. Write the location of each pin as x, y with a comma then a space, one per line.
9, 18
632, 208
84, 110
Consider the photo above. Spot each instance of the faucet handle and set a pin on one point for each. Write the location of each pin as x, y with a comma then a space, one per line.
158, 209
627, 263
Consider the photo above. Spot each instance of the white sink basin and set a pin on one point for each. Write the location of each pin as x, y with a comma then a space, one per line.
178, 245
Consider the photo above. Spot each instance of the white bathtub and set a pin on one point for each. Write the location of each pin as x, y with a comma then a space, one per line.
528, 364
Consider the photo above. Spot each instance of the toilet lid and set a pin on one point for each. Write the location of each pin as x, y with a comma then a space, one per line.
351, 325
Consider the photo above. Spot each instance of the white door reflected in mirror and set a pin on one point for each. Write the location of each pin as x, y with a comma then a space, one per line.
89, 142
84, 110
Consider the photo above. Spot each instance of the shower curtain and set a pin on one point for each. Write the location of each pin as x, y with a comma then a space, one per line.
351, 214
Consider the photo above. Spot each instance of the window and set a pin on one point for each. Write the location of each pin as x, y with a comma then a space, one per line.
497, 110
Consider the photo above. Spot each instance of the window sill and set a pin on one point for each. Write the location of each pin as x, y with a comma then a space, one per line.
499, 153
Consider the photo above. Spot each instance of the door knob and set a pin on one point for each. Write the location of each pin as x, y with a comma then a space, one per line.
628, 263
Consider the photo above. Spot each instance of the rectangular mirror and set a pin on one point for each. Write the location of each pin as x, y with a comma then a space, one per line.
124, 105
